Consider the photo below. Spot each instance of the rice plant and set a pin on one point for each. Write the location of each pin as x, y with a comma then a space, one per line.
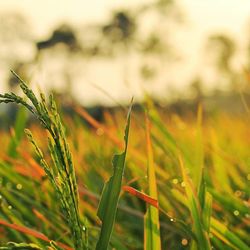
183, 183
62, 173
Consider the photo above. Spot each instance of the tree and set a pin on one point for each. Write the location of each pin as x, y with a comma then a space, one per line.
222, 49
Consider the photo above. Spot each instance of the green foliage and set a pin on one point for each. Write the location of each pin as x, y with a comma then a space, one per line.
204, 206
62, 174
21, 246
110, 195
152, 239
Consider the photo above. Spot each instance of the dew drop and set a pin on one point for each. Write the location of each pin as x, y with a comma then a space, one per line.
183, 184
184, 242
173, 220
9, 207
175, 181
83, 228
19, 186
236, 212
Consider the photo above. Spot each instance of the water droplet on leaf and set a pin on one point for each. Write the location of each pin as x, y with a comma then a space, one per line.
175, 181
19, 186
184, 242
236, 212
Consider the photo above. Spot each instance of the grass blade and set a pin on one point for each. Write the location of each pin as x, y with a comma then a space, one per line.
110, 195
146, 198
207, 211
12, 246
199, 155
31, 232
152, 238
195, 210
223, 233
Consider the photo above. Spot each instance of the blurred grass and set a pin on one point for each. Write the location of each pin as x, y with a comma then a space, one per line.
206, 205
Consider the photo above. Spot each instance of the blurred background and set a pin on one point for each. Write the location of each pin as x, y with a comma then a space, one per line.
104, 52
186, 61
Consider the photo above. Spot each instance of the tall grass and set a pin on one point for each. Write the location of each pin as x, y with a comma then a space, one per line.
61, 174
185, 185
152, 238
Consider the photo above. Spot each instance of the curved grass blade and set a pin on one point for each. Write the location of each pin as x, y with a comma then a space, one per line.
20, 246
222, 232
28, 231
110, 195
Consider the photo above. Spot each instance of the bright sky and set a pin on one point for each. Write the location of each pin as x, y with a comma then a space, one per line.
227, 16
203, 17
204, 14
45, 13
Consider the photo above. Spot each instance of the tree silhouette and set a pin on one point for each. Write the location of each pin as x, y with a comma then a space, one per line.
224, 47
63, 34
121, 28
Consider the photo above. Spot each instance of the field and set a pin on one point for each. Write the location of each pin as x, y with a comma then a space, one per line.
181, 182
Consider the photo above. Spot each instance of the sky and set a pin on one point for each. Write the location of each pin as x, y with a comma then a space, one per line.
205, 14
45, 13
202, 17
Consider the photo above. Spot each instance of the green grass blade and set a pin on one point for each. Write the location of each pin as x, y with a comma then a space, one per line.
220, 171
196, 213
197, 169
62, 176
152, 238
159, 124
110, 196
21, 246
207, 211
222, 232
